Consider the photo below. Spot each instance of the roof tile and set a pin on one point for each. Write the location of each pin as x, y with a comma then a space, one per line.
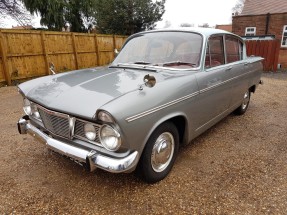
257, 7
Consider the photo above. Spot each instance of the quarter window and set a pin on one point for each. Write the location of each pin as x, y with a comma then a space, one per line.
284, 36
250, 31
214, 52
233, 49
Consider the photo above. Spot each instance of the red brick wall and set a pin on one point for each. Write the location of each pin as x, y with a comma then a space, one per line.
239, 23
276, 23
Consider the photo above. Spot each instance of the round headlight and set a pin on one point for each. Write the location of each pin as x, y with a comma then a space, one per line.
34, 110
105, 117
110, 138
27, 107
36, 114
90, 132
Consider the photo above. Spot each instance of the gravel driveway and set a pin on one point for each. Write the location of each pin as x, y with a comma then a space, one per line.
237, 167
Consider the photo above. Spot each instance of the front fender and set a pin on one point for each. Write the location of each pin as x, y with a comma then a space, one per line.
166, 118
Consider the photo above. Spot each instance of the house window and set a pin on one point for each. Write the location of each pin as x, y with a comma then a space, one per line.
284, 36
250, 31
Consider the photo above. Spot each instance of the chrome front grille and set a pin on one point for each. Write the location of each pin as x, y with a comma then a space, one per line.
58, 124
55, 122
79, 130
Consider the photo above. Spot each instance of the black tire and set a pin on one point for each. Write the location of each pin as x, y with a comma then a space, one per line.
244, 105
162, 145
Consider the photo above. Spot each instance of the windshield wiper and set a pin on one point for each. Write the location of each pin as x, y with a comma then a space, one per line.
178, 63
141, 62
132, 66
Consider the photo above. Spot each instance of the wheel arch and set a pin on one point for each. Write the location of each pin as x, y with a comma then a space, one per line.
252, 89
179, 120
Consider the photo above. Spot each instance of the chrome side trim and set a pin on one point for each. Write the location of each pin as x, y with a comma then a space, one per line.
155, 109
158, 108
223, 82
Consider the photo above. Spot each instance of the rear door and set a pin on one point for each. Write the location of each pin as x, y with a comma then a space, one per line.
234, 57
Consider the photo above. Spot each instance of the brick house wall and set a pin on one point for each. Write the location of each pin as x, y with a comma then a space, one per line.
276, 23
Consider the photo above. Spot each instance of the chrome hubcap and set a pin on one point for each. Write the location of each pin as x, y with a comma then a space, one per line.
245, 100
162, 152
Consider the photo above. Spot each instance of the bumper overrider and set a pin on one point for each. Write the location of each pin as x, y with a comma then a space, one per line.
91, 158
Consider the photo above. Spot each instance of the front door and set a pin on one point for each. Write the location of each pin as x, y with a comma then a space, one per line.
214, 86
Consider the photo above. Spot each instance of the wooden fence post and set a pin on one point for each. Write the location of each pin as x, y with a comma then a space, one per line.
3, 52
114, 42
43, 39
97, 50
75, 51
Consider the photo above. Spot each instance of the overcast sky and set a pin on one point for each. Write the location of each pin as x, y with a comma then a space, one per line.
198, 12
195, 12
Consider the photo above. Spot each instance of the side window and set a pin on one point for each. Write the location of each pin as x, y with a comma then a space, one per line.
214, 52
233, 49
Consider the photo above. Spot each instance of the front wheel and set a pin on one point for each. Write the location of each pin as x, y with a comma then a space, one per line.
159, 154
244, 105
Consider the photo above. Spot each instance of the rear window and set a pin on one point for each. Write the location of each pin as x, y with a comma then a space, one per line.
233, 49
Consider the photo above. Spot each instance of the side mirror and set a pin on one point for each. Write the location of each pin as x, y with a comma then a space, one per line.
52, 68
116, 52
149, 80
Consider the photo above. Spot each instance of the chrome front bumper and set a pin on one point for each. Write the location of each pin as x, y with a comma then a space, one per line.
92, 158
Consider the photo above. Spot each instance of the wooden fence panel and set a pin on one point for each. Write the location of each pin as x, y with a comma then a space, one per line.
26, 54
119, 41
2, 76
60, 51
86, 50
106, 49
268, 49
23, 43
26, 67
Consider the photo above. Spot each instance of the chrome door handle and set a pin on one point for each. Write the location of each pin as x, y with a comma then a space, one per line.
229, 68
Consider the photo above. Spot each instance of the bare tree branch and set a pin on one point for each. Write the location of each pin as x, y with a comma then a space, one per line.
185, 24
15, 10
237, 9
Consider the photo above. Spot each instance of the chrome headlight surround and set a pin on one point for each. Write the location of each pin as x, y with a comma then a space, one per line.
27, 107
105, 117
110, 138
35, 112
31, 109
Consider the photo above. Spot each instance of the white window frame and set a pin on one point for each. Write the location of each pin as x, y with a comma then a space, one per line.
284, 31
250, 33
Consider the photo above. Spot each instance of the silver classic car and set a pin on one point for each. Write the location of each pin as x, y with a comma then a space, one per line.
164, 88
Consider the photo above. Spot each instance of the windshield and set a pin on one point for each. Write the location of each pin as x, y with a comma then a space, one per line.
167, 49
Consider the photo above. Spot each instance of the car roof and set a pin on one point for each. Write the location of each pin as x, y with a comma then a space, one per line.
207, 32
